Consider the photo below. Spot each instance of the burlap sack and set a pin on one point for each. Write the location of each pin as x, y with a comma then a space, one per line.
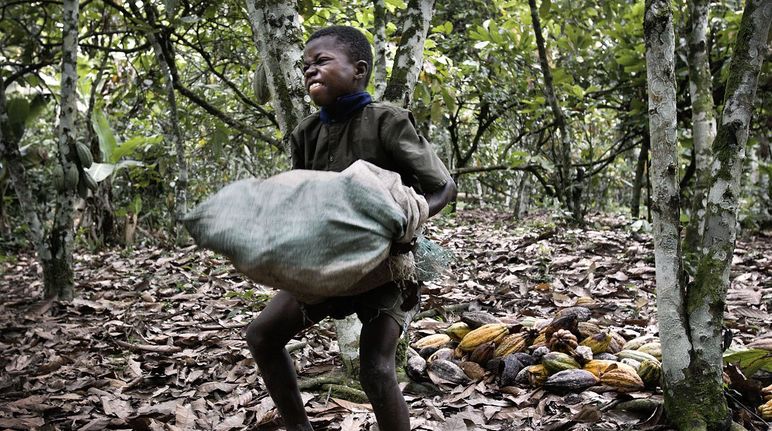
316, 234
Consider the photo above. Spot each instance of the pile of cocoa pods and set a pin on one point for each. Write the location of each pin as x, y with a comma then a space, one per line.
567, 353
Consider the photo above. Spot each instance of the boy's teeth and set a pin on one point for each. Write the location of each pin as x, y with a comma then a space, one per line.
314, 85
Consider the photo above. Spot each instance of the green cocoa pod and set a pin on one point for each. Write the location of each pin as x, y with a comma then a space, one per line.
260, 85
89, 181
71, 177
57, 178
84, 156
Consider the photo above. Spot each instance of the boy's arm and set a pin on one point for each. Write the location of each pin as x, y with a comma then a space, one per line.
440, 197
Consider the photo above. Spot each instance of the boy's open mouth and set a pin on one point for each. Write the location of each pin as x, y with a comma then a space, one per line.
314, 86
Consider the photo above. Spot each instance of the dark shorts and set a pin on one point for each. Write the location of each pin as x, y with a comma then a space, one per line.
387, 299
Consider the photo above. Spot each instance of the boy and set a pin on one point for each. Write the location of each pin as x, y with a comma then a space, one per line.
337, 65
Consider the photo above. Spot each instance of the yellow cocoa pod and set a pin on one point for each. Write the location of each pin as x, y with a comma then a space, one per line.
537, 374
637, 355
637, 342
600, 366
767, 393
622, 380
650, 372
598, 343
654, 349
765, 411
511, 343
458, 330
434, 340
483, 334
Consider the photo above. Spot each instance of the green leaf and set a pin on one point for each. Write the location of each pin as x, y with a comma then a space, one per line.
100, 171
577, 90
128, 147
107, 142
544, 8
750, 361
18, 110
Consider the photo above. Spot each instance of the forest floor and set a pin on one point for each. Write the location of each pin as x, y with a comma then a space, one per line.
154, 339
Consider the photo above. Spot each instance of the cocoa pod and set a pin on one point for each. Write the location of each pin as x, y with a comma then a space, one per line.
573, 380
260, 85
622, 380
558, 361
650, 373
445, 353
654, 349
444, 372
457, 331
473, 370
512, 343
475, 319
582, 314
84, 155
434, 340
416, 368
509, 368
598, 342
483, 334
483, 353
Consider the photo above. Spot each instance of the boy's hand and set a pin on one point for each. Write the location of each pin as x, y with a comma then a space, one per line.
438, 199
410, 290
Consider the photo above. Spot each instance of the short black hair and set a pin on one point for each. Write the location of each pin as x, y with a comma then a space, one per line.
357, 45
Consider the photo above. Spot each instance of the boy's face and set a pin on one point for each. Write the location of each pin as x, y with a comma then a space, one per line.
329, 72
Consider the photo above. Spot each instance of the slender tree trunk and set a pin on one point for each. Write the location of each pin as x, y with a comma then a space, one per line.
9, 151
379, 40
640, 176
703, 119
707, 297
164, 54
671, 312
410, 53
569, 191
279, 39
58, 277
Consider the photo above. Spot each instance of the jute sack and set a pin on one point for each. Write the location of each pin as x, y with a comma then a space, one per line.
316, 234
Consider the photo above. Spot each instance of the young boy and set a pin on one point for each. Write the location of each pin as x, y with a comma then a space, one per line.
337, 65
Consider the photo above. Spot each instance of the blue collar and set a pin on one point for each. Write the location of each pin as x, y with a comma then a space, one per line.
345, 107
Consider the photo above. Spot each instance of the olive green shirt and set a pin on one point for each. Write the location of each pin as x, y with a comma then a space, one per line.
381, 134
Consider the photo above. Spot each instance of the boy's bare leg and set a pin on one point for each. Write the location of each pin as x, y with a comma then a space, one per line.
281, 319
377, 349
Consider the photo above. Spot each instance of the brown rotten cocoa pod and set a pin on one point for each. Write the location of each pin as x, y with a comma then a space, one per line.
473, 370
483, 353
568, 322
562, 341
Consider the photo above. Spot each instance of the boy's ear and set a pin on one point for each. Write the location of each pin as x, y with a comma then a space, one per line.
361, 69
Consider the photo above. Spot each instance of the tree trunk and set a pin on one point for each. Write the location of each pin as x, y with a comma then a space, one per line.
164, 54
9, 150
410, 53
706, 298
640, 176
58, 277
671, 311
379, 40
703, 119
568, 189
279, 39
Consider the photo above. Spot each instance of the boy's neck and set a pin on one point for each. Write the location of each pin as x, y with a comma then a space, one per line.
345, 107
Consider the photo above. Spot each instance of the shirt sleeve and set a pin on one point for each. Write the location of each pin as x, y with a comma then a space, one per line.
412, 152
296, 153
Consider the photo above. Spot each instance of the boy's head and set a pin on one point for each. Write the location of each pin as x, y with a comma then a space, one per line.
337, 61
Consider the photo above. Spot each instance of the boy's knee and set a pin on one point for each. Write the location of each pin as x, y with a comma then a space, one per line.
374, 376
257, 336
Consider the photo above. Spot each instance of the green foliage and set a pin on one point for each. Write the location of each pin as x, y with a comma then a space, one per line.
750, 361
